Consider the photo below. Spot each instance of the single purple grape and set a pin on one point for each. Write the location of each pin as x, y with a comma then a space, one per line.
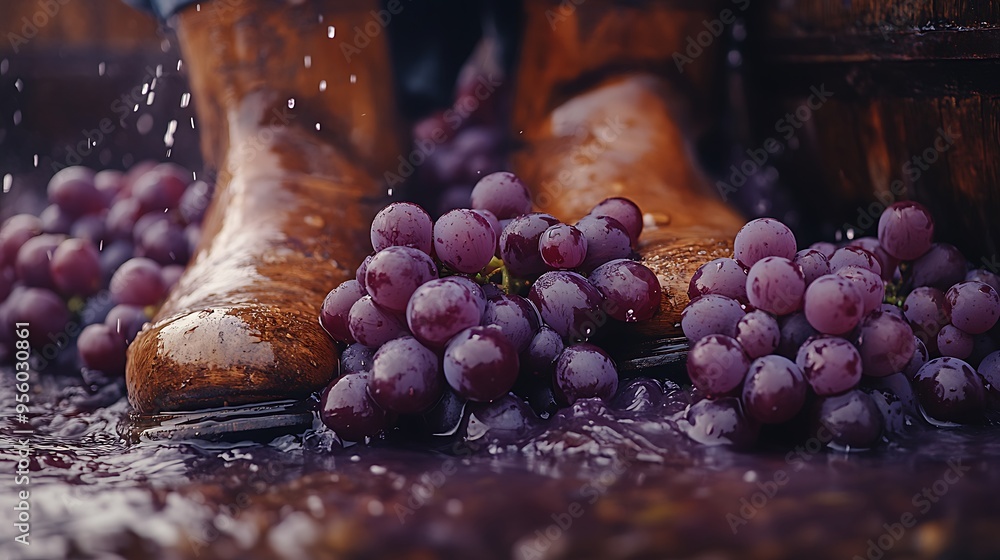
975, 306
710, 314
109, 182
543, 351
905, 230
103, 349
495, 224
480, 364
813, 264
949, 390
721, 422
584, 371
888, 263
941, 267
515, 317
776, 285
406, 377
869, 284
775, 390
831, 365
927, 310
56, 220
758, 333
164, 242
724, 277
33, 263
631, 291
336, 309
73, 190
623, 210
503, 194
833, 304
569, 304
855, 256
563, 247
394, 273
347, 409
989, 370
127, 321
138, 281
519, 244
954, 342
849, 421
161, 188
15, 231
43, 310
717, 365
607, 240
441, 308
464, 241
763, 237
885, 344
194, 203
373, 325
113, 255
122, 217
75, 268
795, 331
402, 224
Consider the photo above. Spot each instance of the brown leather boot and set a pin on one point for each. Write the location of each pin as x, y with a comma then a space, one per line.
602, 111
299, 134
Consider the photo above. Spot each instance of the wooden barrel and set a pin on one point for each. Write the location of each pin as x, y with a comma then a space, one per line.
77, 71
913, 110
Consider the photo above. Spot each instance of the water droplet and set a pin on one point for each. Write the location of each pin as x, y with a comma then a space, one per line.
145, 88
317, 126
354, 79
35, 160
192, 123
308, 61
149, 98
17, 117
179, 64
291, 103
331, 31
322, 85
8, 181
100, 69
19, 84
144, 124
185, 99
4, 66
168, 138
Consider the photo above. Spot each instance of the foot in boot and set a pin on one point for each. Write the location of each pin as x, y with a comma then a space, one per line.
289, 218
605, 124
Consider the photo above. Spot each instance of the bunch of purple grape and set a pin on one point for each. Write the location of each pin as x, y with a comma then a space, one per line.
463, 308
91, 268
772, 329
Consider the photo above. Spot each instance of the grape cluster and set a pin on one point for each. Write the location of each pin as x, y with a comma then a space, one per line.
480, 302
781, 335
88, 272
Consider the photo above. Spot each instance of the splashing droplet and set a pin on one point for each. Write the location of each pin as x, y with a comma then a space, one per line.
8, 181
308, 61
322, 85
354, 79
291, 103
100, 69
331, 31
185, 100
